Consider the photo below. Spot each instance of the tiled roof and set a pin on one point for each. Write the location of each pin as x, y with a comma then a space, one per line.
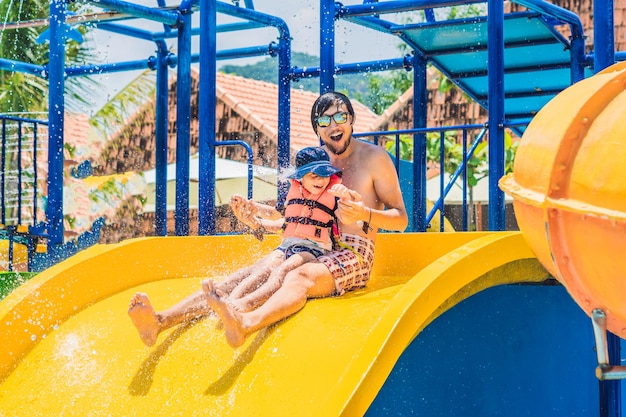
404, 100
257, 102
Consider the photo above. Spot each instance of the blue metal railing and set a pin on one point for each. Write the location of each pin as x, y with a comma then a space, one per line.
250, 153
22, 195
20, 158
472, 135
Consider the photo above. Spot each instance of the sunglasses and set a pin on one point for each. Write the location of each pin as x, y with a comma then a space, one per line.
339, 118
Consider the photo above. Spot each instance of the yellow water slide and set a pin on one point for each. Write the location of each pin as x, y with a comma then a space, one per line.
68, 347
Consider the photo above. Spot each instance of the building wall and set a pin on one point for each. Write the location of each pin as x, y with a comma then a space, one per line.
133, 148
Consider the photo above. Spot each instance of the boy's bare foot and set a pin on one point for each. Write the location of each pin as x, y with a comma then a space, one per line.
240, 305
144, 318
235, 335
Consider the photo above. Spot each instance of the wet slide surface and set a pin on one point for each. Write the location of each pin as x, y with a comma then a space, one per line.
71, 349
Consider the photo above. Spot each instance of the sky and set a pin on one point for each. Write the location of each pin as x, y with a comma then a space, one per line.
353, 43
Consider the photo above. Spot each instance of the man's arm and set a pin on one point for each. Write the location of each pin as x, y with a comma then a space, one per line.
387, 188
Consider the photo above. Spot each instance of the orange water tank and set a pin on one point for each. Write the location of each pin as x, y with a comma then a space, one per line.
569, 191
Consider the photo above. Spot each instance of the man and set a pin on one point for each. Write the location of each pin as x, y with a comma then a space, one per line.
375, 203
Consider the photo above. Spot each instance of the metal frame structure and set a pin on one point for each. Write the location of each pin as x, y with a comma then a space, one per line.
177, 23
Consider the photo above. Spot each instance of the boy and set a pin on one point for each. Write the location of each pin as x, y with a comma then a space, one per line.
309, 229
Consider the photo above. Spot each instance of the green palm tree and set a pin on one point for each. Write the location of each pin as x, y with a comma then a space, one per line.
125, 103
26, 93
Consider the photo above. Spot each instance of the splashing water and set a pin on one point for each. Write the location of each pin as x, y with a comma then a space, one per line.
6, 18
79, 360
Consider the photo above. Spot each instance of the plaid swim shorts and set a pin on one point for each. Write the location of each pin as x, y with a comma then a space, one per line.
351, 264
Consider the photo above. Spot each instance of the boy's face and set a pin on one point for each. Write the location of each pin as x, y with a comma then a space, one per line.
315, 184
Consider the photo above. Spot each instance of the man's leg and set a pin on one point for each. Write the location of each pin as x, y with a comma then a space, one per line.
311, 280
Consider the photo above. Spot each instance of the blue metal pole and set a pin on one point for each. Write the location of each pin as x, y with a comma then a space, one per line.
132, 32
327, 46
495, 30
252, 15
355, 68
167, 17
368, 9
603, 34
284, 113
19, 172
161, 137
151, 62
108, 68
420, 117
604, 56
183, 123
56, 105
35, 175
206, 116
10, 65
3, 159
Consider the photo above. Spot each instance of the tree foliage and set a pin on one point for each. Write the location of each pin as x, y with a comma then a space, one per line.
126, 102
25, 93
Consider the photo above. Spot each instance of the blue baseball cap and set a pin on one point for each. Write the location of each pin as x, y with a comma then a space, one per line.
315, 160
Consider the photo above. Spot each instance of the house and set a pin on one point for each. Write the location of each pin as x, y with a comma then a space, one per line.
246, 110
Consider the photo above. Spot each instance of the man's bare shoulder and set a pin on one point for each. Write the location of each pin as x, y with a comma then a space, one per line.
369, 150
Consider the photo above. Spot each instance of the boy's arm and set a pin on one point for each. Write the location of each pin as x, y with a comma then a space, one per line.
260, 218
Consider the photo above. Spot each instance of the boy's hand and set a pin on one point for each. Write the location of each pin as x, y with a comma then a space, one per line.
245, 210
344, 193
350, 208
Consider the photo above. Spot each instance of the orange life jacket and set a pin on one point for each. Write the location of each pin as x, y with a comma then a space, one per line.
310, 218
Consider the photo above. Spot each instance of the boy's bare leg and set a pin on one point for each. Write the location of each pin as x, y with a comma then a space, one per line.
258, 296
310, 280
230, 317
150, 323
144, 318
233, 280
257, 277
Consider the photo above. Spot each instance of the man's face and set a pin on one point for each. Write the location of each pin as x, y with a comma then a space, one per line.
338, 133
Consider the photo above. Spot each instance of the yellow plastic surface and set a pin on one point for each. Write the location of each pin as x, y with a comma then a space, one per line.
569, 191
68, 347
